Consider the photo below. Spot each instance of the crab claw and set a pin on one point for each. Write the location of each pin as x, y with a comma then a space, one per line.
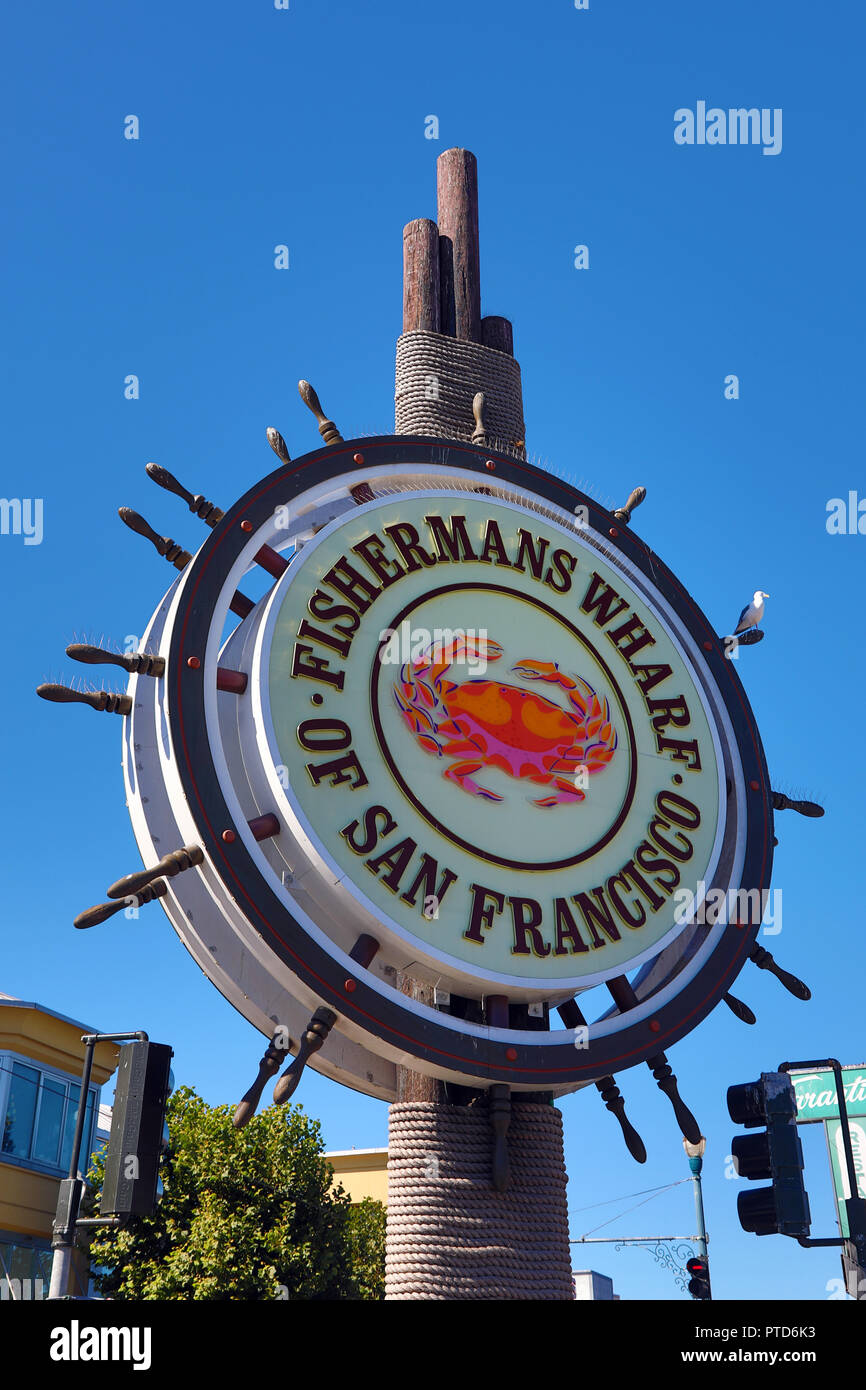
532, 670
484, 648
463, 648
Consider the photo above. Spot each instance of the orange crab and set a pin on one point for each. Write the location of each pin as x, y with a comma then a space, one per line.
486, 723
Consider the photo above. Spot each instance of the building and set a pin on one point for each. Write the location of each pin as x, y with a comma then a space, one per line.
41, 1060
589, 1285
362, 1172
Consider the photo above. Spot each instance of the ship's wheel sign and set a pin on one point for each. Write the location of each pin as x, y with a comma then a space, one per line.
418, 709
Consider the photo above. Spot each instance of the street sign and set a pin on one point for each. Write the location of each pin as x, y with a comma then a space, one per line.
836, 1150
816, 1094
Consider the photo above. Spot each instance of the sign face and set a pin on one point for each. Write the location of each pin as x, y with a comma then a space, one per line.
816, 1094
469, 730
492, 738
836, 1148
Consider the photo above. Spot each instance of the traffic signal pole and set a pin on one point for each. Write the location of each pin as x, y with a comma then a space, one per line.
67, 1220
695, 1165
695, 1155
854, 1247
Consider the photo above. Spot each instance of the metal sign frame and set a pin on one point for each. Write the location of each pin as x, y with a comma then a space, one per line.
174, 784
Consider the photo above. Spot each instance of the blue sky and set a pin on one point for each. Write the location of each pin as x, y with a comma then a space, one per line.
306, 127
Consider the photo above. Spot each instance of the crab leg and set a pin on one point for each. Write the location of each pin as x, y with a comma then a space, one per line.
461, 773
566, 792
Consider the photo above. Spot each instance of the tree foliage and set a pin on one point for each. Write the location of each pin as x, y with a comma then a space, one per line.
245, 1214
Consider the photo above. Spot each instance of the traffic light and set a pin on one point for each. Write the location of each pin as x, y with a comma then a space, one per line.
777, 1154
135, 1144
699, 1284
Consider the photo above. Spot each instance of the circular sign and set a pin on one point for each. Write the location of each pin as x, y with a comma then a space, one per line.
428, 711
491, 736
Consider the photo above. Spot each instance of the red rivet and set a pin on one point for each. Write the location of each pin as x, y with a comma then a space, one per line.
246, 526
613, 533
708, 646
655, 1026
359, 458
511, 1054
756, 786
193, 663
492, 466
229, 837
349, 986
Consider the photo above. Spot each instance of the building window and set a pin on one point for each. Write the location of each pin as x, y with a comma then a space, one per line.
39, 1116
20, 1110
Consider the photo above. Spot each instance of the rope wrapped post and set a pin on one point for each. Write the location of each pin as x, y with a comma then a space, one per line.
437, 380
451, 1235
476, 1192
500, 1121
448, 353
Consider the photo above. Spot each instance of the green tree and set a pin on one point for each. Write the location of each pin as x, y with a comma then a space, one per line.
366, 1232
245, 1214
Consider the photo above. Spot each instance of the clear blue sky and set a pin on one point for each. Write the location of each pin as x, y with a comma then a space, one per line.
306, 127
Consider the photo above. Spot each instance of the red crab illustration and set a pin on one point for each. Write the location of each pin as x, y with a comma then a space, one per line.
486, 723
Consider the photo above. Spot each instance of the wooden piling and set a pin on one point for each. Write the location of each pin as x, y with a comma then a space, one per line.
421, 276
416, 1085
497, 333
459, 272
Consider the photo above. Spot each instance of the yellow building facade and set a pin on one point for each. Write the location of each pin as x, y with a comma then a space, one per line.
41, 1060
362, 1172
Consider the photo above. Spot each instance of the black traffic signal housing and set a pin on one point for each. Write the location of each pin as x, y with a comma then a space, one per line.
135, 1144
699, 1284
777, 1154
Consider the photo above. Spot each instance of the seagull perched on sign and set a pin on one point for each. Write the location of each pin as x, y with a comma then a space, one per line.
753, 613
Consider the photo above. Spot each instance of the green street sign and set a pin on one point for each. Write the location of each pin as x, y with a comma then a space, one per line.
836, 1148
816, 1094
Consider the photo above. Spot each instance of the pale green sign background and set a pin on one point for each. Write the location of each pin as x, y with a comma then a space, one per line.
525, 617
816, 1094
835, 1146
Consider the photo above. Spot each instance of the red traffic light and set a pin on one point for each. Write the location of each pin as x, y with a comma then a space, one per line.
699, 1283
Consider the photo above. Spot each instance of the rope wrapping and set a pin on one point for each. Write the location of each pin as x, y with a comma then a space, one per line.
450, 1234
437, 379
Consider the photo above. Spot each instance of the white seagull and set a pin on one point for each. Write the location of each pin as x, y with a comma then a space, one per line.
753, 613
